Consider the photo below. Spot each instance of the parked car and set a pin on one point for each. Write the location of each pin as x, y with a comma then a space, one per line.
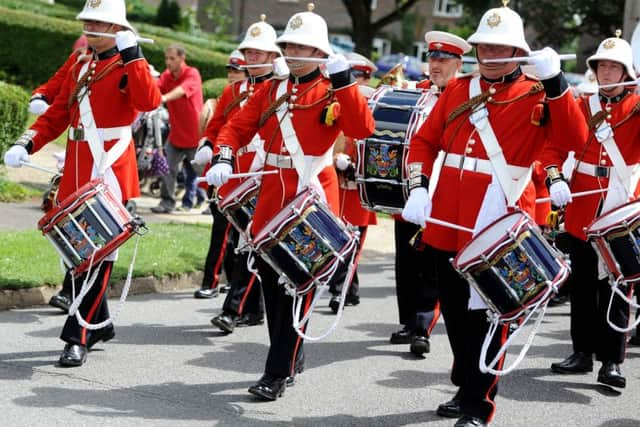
412, 66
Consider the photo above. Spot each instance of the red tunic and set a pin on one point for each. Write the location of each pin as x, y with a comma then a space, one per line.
353, 117
515, 115
184, 112
583, 210
112, 107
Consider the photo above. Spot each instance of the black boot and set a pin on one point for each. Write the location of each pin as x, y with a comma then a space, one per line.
203, 293
269, 387
73, 355
450, 409
61, 300
419, 345
225, 321
577, 363
610, 374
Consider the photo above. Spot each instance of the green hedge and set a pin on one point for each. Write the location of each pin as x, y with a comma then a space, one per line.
40, 44
213, 88
13, 114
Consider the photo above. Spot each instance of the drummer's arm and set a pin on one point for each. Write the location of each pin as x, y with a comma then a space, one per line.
218, 119
354, 118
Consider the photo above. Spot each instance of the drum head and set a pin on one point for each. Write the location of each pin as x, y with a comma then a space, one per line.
488, 238
629, 212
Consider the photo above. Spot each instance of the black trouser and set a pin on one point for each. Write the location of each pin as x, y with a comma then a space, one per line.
245, 293
416, 278
335, 287
466, 330
562, 243
590, 331
285, 342
221, 247
93, 308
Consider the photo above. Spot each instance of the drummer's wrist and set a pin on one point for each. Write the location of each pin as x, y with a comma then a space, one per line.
26, 140
553, 175
224, 155
416, 178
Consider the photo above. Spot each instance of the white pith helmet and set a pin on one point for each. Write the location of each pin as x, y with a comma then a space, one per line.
500, 26
260, 36
110, 11
308, 29
614, 49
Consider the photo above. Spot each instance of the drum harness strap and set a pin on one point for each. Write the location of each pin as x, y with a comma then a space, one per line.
102, 161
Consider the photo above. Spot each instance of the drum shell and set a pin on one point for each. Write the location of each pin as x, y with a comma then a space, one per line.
87, 221
239, 205
513, 273
305, 242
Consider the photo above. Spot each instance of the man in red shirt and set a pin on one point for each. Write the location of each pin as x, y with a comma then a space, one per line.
181, 87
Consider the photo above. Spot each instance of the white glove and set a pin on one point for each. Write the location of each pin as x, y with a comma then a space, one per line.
219, 174
547, 63
15, 156
203, 155
125, 40
418, 206
280, 68
337, 63
342, 161
38, 106
560, 193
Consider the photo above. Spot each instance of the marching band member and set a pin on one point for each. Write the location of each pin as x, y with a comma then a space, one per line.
311, 110
223, 238
351, 210
599, 158
243, 304
116, 79
415, 270
469, 120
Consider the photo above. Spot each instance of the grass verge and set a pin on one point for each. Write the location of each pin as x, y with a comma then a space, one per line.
28, 260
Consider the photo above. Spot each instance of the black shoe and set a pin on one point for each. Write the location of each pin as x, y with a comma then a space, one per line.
225, 321
469, 421
206, 293
420, 345
250, 319
450, 409
104, 335
558, 300
291, 381
269, 387
635, 340
577, 363
224, 288
610, 374
73, 355
334, 303
61, 301
403, 336
352, 300
161, 209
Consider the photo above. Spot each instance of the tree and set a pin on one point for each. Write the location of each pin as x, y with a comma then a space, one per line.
364, 30
168, 14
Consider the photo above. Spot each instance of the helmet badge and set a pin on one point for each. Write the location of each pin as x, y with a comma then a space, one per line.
494, 20
296, 22
93, 3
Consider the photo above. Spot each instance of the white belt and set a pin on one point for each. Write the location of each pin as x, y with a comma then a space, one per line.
245, 149
593, 170
348, 185
474, 164
279, 161
107, 134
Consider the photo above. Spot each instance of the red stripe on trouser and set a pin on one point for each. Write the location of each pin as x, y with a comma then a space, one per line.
106, 274
436, 316
246, 294
223, 250
503, 339
308, 298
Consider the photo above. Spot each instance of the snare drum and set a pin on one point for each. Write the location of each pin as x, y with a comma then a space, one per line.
306, 242
239, 205
616, 239
380, 172
90, 223
511, 265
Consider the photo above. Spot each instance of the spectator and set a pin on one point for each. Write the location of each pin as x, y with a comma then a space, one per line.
181, 87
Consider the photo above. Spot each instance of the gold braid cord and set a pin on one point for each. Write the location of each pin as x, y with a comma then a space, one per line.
285, 97
84, 80
236, 101
478, 99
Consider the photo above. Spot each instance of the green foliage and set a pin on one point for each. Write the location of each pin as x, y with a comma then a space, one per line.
13, 114
219, 14
13, 192
40, 44
29, 260
213, 88
168, 14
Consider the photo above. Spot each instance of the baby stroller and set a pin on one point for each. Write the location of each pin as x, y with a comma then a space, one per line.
150, 132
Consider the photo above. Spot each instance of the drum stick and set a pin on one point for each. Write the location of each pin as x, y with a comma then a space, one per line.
449, 225
612, 85
256, 66
318, 60
38, 167
241, 175
563, 57
578, 194
113, 36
